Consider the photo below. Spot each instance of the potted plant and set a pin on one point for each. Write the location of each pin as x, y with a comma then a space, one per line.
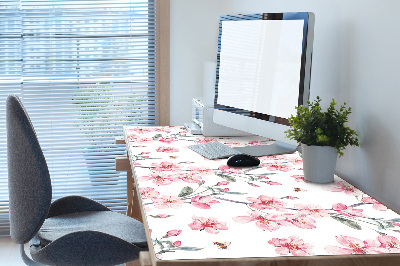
98, 107
323, 135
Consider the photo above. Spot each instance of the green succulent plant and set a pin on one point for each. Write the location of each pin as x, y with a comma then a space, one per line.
312, 126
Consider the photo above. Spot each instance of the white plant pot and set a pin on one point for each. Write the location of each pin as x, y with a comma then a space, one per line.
319, 163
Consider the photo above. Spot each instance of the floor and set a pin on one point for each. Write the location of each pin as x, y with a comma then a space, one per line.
10, 256
9, 253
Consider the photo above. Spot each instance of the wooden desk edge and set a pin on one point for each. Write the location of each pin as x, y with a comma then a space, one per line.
150, 256
151, 253
122, 163
326, 260
120, 140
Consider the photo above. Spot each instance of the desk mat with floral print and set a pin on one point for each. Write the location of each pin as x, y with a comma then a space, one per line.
198, 208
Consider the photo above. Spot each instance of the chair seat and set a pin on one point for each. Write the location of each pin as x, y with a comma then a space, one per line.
108, 222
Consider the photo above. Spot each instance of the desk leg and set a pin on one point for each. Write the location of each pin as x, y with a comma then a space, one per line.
133, 263
132, 198
144, 260
129, 192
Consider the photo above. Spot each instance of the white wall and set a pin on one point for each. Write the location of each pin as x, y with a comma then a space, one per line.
356, 59
194, 41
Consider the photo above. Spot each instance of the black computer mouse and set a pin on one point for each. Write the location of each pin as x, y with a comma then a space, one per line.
240, 160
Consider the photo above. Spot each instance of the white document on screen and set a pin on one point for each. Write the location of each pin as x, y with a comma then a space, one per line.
260, 63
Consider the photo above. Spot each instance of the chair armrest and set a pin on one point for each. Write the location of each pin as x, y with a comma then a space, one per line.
72, 204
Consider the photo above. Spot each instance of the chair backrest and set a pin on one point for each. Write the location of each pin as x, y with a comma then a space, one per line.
29, 183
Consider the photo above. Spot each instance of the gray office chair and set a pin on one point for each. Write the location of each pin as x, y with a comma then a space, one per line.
70, 231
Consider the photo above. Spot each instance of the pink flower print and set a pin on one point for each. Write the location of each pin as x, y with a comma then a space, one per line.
376, 204
205, 140
137, 139
272, 183
165, 166
345, 187
225, 189
301, 221
194, 170
278, 157
203, 202
174, 232
277, 166
191, 178
254, 143
223, 183
396, 224
229, 170
210, 225
295, 160
166, 149
149, 193
166, 140
312, 210
165, 202
177, 243
142, 130
270, 222
233, 144
350, 212
298, 178
143, 140
160, 179
166, 129
131, 136
354, 245
129, 130
265, 202
293, 245
390, 243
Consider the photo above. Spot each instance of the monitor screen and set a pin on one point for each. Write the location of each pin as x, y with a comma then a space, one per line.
260, 63
263, 71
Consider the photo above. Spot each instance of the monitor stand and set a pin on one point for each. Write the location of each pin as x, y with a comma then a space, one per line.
264, 150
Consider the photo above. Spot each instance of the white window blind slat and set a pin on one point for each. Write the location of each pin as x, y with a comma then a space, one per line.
83, 69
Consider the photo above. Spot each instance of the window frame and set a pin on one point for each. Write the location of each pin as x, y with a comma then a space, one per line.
163, 77
163, 62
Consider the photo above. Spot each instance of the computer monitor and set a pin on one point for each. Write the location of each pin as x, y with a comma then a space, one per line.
263, 73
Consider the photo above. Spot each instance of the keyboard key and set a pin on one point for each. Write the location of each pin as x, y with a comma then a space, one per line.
214, 150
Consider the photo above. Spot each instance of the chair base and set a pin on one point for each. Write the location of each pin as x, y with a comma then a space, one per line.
26, 259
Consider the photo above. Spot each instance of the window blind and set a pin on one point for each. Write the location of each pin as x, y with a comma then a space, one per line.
83, 69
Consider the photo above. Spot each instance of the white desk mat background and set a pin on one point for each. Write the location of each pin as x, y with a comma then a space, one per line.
246, 239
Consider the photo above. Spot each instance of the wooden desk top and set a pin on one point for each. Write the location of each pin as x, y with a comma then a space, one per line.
197, 209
